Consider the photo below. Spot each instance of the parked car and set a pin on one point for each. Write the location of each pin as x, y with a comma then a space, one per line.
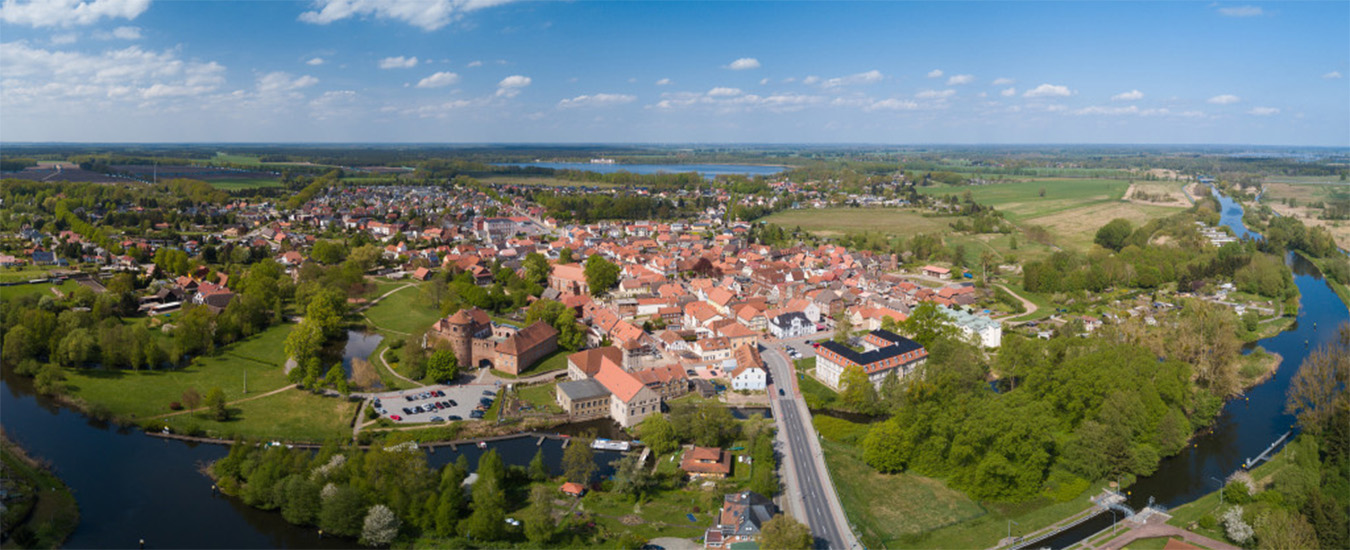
407, 410
396, 418
409, 398
453, 403
476, 414
456, 417
437, 419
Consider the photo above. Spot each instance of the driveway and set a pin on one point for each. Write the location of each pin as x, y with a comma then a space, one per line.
462, 400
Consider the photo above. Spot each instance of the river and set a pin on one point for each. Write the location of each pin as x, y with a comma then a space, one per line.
131, 486
1248, 424
708, 170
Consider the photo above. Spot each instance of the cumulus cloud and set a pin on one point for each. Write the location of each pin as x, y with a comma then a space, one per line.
475, 64
1332, 75
62, 81
1224, 99
314, 62
935, 94
935, 73
735, 103
69, 13
892, 105
1263, 111
64, 38
399, 62
596, 100
427, 15
278, 81
1132, 95
512, 85
870, 77
663, 82
810, 80
724, 92
438, 80
120, 33
1048, 90
1003, 81
958, 79
1242, 11
744, 63
1008, 92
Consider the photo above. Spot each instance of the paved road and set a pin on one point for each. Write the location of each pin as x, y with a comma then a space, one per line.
810, 492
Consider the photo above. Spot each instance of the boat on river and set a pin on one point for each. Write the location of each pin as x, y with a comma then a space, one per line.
610, 445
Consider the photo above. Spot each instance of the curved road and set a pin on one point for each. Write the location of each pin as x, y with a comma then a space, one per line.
810, 493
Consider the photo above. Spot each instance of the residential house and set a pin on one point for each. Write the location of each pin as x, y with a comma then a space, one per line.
750, 373
740, 520
884, 352
792, 324
706, 462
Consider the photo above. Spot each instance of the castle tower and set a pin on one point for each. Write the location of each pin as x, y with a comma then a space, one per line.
461, 337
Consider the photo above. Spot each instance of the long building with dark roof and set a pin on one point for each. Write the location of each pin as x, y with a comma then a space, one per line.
883, 352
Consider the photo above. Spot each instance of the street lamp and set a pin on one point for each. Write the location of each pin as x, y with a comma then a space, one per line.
1010, 524
1220, 482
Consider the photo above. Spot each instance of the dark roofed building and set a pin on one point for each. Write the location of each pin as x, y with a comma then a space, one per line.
883, 352
740, 520
583, 399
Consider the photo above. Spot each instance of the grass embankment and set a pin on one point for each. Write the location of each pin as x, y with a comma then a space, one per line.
1187, 516
818, 396
542, 397
40, 511
913, 511
403, 313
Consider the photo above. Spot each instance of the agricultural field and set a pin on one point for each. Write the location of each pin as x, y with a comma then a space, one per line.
833, 222
1293, 199
235, 184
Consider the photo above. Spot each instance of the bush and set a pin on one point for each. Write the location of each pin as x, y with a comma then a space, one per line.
1207, 521
371, 414
397, 343
1064, 486
175, 406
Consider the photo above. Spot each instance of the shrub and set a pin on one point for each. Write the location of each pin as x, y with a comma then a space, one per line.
1207, 521
175, 406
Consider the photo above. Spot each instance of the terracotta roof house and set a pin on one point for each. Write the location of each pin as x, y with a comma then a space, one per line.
569, 279
706, 462
586, 363
670, 381
574, 489
631, 401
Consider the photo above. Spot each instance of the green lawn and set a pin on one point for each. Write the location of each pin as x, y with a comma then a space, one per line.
39, 290
1022, 200
138, 394
892, 509
664, 515
235, 184
404, 312
542, 396
837, 221
292, 415
25, 273
817, 394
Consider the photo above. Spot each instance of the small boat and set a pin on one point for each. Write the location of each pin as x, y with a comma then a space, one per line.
610, 445
482, 444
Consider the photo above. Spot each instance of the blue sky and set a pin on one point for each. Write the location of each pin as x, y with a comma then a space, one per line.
675, 72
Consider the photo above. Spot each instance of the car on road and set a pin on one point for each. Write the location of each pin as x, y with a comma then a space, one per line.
691, 372
780, 391
437, 419
396, 418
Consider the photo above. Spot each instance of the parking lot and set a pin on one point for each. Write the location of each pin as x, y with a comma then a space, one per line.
443, 402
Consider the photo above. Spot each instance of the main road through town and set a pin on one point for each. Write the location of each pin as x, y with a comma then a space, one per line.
810, 495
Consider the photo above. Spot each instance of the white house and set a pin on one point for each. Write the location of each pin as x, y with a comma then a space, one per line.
750, 373
791, 325
978, 328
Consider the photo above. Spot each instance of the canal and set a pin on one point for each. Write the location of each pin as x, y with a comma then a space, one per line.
1249, 423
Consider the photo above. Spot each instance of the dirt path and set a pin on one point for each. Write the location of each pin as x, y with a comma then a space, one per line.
395, 373
1030, 306
371, 303
199, 409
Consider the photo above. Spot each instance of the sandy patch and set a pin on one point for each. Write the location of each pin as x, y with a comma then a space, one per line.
1156, 194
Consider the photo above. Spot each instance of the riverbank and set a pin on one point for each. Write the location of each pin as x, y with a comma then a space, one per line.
39, 509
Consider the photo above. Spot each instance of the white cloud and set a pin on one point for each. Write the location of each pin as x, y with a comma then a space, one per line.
744, 63
596, 100
663, 82
427, 15
810, 80
764, 81
475, 64
1332, 75
1117, 111
124, 34
870, 77
1003, 81
1132, 95
1263, 111
724, 92
69, 81
737, 103
1242, 11
68, 13
278, 81
1048, 90
438, 80
512, 85
64, 38
1224, 99
892, 105
314, 62
399, 62
958, 79
1008, 92
935, 94
935, 73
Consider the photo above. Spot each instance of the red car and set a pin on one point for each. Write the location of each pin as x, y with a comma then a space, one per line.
395, 418
815, 344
